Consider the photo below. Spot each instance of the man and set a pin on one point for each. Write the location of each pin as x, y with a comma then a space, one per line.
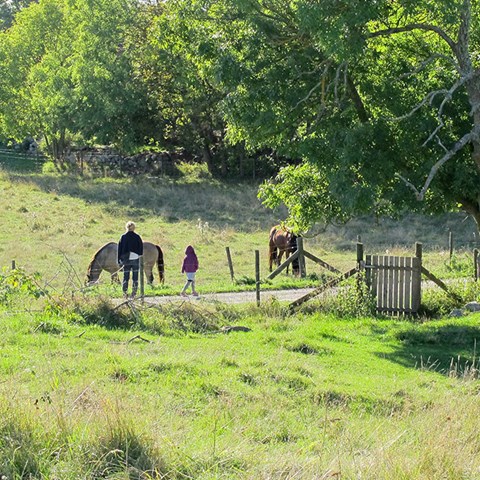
130, 249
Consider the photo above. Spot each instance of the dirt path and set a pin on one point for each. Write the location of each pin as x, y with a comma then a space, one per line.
233, 297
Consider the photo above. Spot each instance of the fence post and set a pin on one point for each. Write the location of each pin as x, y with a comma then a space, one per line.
257, 276
475, 263
418, 250
301, 258
450, 244
142, 280
14, 266
230, 264
360, 265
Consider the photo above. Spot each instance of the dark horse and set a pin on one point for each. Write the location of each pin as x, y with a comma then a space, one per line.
282, 241
106, 259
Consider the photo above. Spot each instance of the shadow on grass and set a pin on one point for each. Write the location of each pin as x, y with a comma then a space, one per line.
446, 348
220, 204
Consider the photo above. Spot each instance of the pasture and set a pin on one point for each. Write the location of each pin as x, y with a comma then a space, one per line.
91, 391
54, 224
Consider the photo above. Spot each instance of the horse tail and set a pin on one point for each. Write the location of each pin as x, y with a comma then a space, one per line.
160, 265
272, 248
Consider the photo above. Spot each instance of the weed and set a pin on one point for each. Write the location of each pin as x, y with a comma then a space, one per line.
17, 284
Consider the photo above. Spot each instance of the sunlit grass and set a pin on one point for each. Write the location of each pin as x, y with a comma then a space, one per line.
297, 396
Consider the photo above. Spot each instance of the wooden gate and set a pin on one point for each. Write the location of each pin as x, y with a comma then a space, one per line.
395, 282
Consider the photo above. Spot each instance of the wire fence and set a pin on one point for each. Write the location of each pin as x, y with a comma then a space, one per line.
21, 161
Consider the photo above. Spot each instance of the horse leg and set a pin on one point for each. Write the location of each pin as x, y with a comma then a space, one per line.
273, 258
279, 257
287, 254
149, 274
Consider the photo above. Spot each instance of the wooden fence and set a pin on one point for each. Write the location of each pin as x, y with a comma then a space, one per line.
395, 282
21, 161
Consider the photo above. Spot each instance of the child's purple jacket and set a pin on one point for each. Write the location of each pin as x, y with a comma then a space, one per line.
190, 262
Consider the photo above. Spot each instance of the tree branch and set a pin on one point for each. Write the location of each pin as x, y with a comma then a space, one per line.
429, 60
420, 194
427, 99
416, 26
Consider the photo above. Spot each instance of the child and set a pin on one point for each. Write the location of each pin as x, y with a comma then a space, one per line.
189, 267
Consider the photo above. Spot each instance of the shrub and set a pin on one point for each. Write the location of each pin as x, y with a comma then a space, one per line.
437, 302
16, 284
91, 311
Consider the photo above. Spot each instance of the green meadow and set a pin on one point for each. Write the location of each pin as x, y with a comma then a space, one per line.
93, 390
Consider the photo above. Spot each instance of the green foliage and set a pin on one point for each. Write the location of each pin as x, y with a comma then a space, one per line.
352, 300
17, 285
436, 302
193, 172
71, 68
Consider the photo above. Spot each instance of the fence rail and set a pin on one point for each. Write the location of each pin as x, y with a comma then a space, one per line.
12, 159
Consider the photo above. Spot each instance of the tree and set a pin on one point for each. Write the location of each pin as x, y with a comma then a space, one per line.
176, 66
67, 69
376, 98
8, 9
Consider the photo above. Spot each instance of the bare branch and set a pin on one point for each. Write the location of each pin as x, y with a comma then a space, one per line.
315, 87
447, 98
439, 141
427, 99
467, 138
416, 26
409, 185
428, 61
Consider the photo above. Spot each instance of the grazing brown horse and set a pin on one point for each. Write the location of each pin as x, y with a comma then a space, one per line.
282, 241
106, 259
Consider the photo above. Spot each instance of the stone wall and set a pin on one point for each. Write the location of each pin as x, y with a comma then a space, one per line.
106, 162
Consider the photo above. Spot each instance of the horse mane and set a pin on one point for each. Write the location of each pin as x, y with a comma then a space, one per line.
160, 264
94, 258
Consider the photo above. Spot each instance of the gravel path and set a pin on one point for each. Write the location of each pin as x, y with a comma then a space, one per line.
233, 297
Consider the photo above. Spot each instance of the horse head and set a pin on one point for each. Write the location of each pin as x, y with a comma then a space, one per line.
93, 273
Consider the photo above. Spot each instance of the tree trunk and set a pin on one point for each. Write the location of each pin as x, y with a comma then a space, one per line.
207, 156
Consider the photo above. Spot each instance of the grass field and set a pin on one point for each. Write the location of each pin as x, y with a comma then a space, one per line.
54, 224
93, 391
297, 397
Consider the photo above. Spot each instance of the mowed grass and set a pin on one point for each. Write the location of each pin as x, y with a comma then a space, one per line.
304, 397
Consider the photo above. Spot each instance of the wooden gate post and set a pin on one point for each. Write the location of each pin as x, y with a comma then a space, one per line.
257, 276
360, 265
417, 278
418, 250
301, 258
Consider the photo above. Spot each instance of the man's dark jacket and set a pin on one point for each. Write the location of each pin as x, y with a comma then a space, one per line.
129, 242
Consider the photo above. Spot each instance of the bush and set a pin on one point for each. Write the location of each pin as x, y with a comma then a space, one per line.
436, 302
16, 284
91, 311
354, 300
